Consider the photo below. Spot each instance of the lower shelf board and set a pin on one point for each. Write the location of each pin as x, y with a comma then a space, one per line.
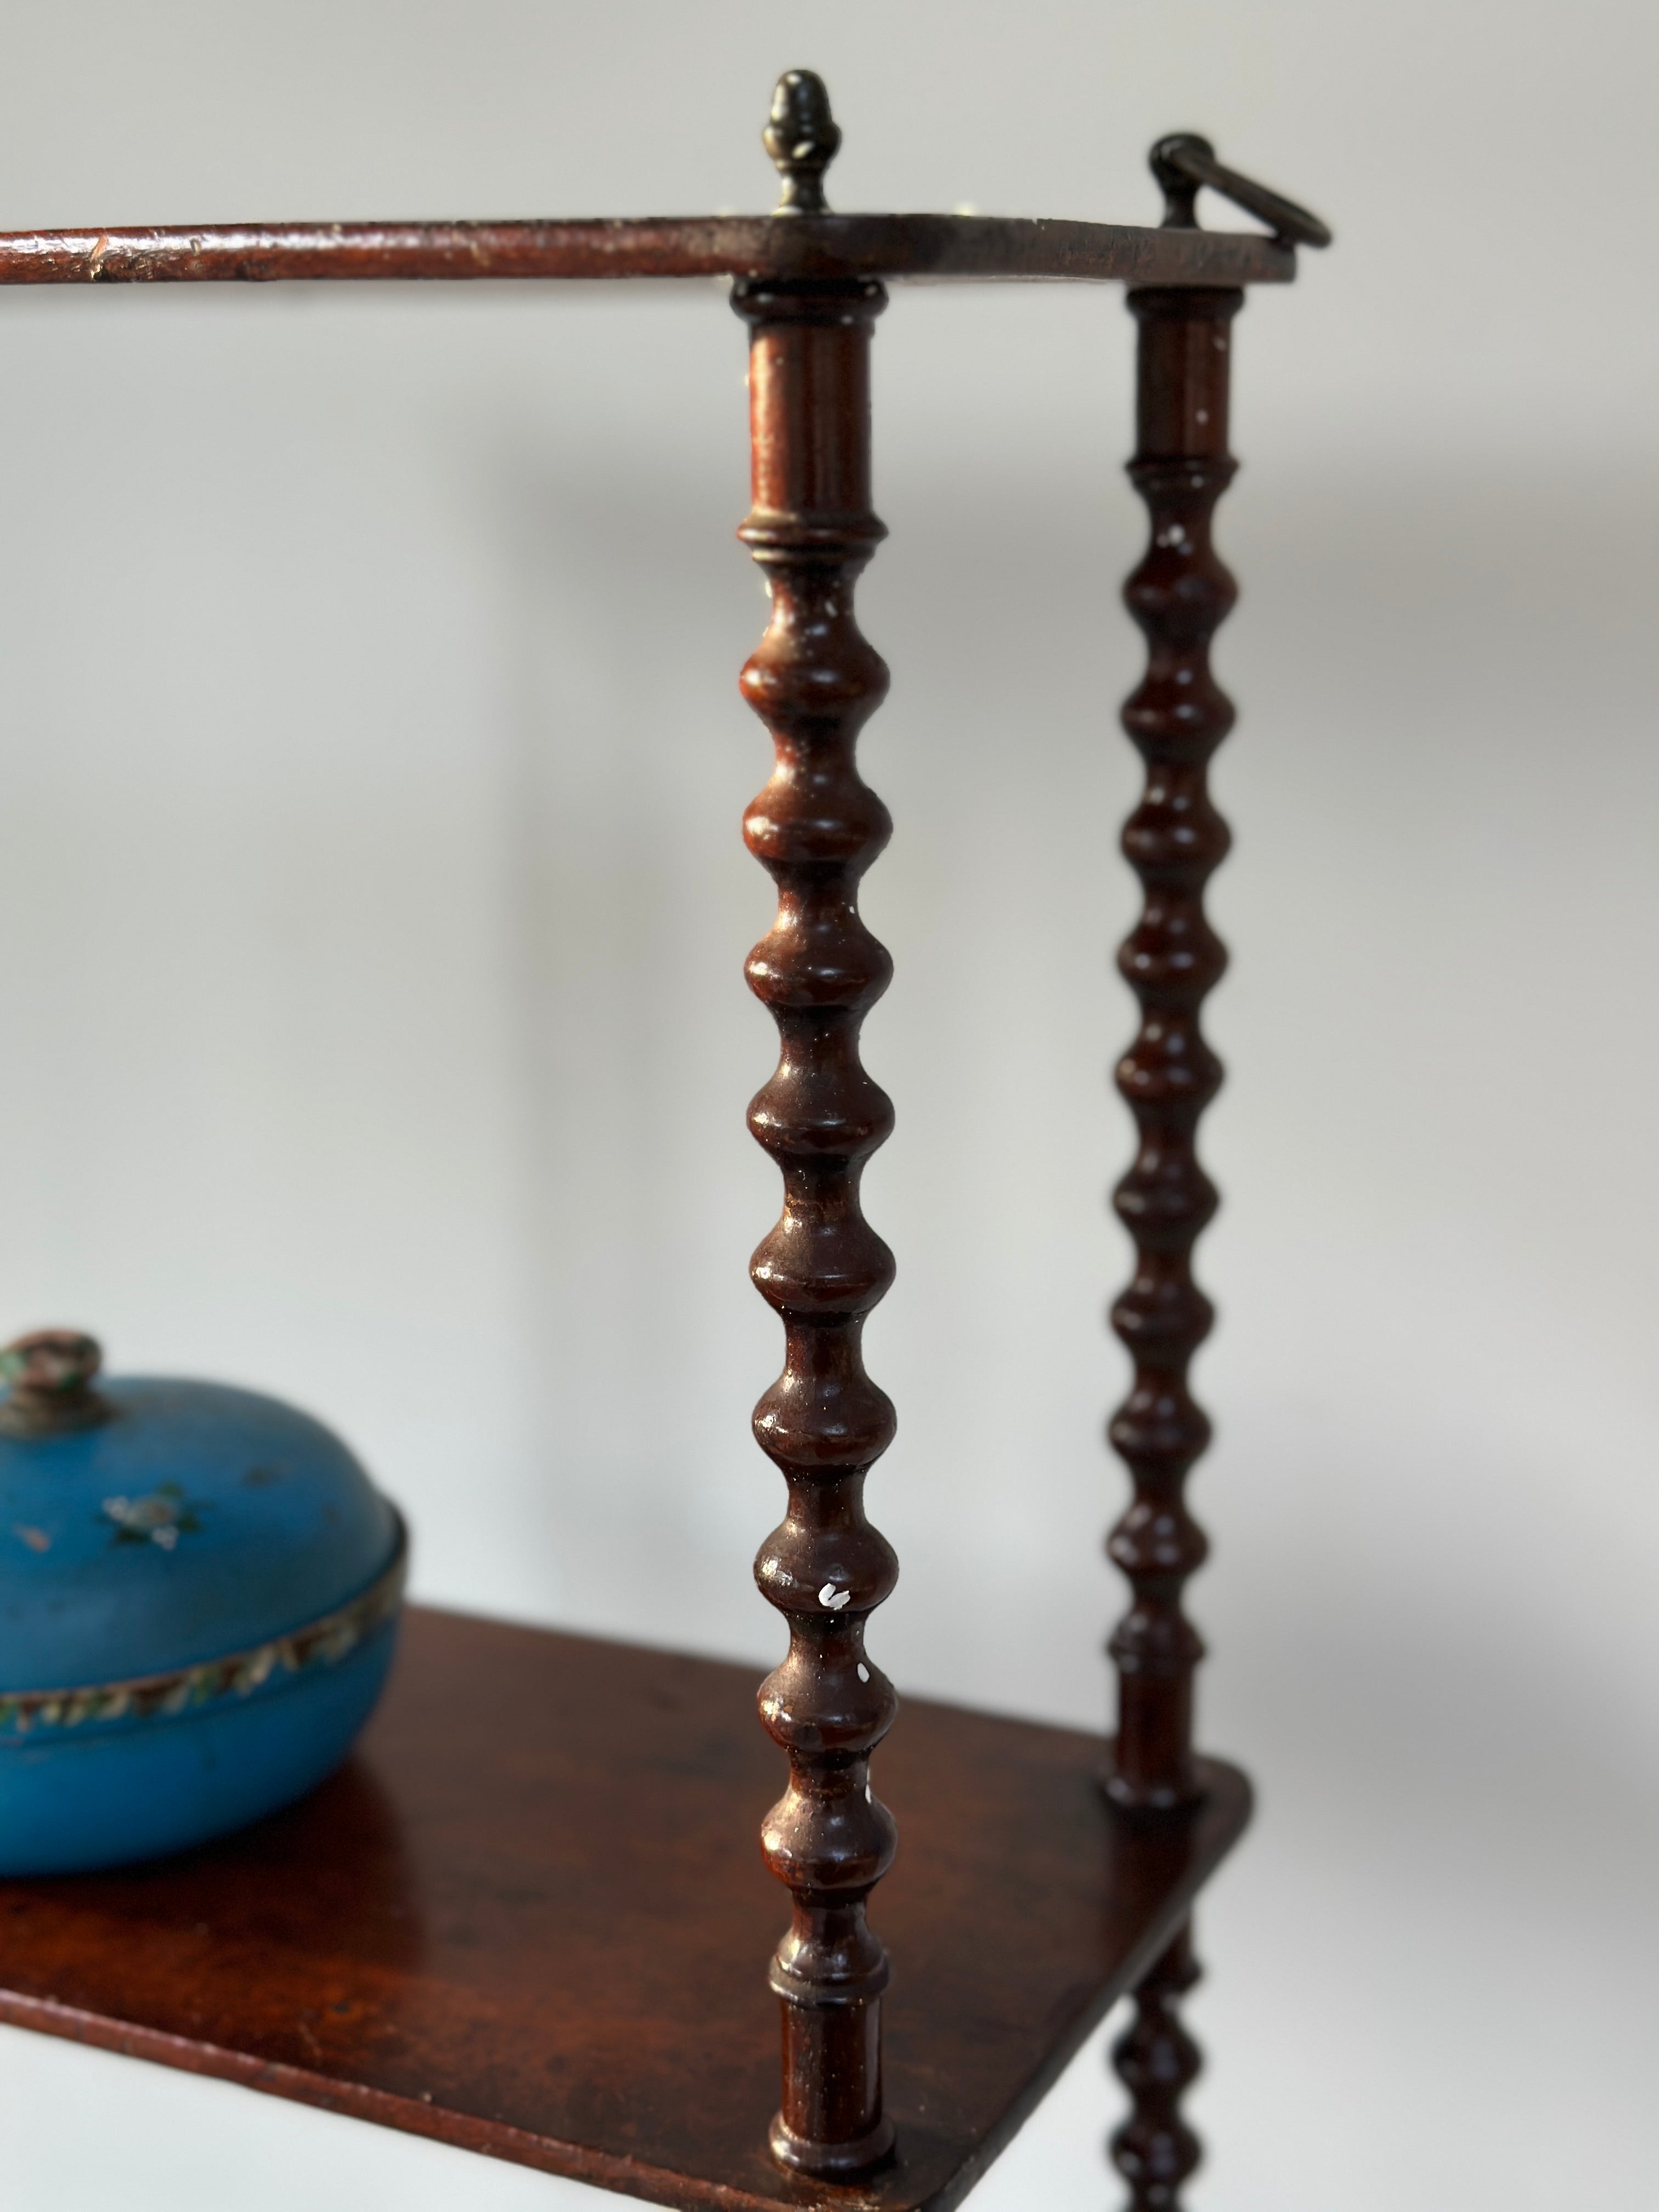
530, 1918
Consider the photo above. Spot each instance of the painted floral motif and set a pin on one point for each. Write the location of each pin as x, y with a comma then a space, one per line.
160, 1518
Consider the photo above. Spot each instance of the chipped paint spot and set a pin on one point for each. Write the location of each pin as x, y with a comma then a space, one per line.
160, 1518
36, 1539
833, 1598
864, 1672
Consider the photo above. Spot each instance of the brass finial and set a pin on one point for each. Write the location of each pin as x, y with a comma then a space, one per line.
802, 138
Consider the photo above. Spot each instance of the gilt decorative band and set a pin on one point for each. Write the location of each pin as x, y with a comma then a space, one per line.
816, 828
318, 1644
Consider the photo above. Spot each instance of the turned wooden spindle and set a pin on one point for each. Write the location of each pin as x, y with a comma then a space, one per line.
1157, 2062
816, 828
1175, 840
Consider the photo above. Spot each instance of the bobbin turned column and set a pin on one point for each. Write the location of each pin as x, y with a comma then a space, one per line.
816, 828
1157, 2062
1175, 839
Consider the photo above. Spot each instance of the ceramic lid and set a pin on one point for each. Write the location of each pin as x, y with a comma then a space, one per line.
147, 1524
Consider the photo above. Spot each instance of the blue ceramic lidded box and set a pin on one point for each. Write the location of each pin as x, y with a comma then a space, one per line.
199, 1590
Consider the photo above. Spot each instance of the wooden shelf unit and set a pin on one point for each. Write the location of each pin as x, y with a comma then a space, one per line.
530, 1917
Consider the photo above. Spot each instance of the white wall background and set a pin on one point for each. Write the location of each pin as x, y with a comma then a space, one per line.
373, 906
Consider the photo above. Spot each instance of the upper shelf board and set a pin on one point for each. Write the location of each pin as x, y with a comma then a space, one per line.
823, 248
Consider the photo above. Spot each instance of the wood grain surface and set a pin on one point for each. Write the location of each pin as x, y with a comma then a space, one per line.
815, 680
825, 246
530, 1918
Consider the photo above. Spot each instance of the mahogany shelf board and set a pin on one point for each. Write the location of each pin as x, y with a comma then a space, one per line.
530, 1917
936, 248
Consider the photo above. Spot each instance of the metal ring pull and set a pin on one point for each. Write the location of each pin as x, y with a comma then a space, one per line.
1184, 162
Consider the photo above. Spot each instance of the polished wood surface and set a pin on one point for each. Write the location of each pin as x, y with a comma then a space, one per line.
530, 1918
1157, 2062
1175, 840
815, 680
938, 248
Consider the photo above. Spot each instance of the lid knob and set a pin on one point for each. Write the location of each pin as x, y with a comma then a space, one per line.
49, 1375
